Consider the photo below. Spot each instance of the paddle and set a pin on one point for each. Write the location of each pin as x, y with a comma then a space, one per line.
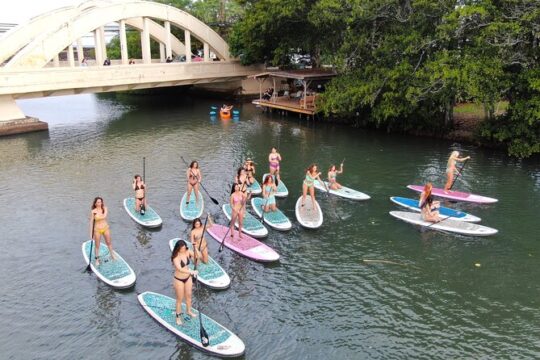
206, 191
458, 174
143, 209
328, 196
204, 335
229, 227
91, 244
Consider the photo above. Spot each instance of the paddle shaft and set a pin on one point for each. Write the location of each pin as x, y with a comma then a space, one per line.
438, 222
204, 335
458, 174
230, 222
206, 191
91, 243
328, 196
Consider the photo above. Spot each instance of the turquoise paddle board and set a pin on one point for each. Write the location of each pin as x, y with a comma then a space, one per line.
222, 341
150, 218
250, 226
275, 219
116, 273
193, 209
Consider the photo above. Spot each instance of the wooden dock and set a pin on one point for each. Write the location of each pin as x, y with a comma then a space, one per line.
287, 104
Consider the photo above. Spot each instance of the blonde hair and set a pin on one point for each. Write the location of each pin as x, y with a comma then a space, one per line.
453, 156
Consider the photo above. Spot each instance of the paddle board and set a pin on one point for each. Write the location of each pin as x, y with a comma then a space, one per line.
210, 274
255, 188
250, 226
344, 192
275, 219
150, 218
282, 190
458, 227
412, 204
245, 246
223, 342
307, 215
193, 209
456, 195
116, 273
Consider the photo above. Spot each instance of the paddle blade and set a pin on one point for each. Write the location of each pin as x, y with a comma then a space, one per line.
205, 340
213, 200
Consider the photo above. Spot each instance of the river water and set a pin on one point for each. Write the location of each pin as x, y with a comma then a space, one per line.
321, 300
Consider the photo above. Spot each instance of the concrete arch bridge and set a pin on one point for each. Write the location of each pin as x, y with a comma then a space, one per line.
44, 57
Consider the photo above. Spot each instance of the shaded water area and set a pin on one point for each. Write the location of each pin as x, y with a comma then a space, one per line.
320, 300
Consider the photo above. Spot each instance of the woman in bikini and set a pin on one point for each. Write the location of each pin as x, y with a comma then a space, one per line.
197, 239
269, 189
425, 194
451, 169
140, 194
182, 282
308, 184
332, 174
237, 201
99, 226
241, 179
429, 212
250, 171
273, 159
194, 177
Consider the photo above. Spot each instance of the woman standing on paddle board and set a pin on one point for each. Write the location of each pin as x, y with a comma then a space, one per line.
237, 201
241, 179
269, 189
199, 242
182, 282
309, 184
451, 169
194, 177
273, 159
140, 192
250, 171
332, 174
98, 222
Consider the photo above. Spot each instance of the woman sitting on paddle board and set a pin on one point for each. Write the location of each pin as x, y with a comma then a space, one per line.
429, 212
237, 202
194, 177
182, 282
309, 183
140, 189
424, 195
269, 189
198, 240
273, 159
98, 222
250, 171
451, 169
332, 174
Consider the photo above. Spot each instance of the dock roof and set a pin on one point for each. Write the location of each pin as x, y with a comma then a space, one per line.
304, 74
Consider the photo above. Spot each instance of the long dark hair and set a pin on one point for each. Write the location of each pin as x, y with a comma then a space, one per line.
179, 244
195, 221
102, 204
267, 178
193, 163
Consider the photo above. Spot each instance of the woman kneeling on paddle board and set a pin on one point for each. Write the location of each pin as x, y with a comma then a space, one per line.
194, 177
451, 169
429, 208
98, 222
183, 282
198, 240
332, 174
140, 194
269, 189
309, 181
237, 201
273, 159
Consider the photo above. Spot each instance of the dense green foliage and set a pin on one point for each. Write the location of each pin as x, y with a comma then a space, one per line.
405, 64
133, 39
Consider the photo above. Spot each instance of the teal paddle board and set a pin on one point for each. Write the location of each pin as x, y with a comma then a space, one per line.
150, 218
193, 209
116, 273
275, 219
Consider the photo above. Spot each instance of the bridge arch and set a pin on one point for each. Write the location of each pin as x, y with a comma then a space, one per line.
70, 25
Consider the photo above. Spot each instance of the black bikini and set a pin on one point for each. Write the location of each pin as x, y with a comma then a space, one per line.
139, 188
182, 264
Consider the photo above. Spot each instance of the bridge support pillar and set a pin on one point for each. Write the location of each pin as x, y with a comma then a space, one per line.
13, 120
80, 51
206, 51
145, 42
168, 48
123, 43
187, 43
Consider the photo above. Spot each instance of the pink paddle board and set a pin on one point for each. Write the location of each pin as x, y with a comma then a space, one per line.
246, 246
456, 195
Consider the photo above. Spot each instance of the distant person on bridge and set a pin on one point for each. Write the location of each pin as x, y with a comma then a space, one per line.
107, 62
83, 62
169, 59
131, 62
